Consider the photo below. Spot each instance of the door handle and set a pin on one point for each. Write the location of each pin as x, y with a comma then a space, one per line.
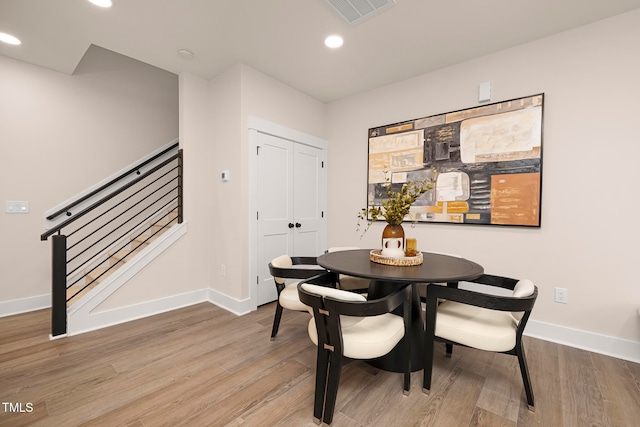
290, 225
298, 225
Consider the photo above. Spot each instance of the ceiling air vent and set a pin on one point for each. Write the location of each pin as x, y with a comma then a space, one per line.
354, 11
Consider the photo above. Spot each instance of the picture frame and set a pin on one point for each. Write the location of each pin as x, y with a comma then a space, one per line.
486, 162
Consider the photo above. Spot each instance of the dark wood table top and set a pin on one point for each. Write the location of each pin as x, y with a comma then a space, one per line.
434, 268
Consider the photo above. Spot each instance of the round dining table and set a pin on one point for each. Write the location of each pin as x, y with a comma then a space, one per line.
385, 279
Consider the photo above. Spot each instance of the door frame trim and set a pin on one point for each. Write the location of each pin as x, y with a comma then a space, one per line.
256, 125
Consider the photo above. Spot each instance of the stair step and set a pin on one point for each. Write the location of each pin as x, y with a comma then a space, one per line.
126, 254
165, 223
96, 275
156, 230
75, 288
143, 239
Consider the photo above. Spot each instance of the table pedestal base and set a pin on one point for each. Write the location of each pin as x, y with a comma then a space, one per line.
393, 361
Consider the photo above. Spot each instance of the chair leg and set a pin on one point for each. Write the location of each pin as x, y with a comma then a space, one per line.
448, 350
407, 308
276, 321
428, 364
333, 379
524, 370
322, 365
407, 369
429, 335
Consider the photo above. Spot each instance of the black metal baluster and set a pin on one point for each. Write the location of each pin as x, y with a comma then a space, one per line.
180, 186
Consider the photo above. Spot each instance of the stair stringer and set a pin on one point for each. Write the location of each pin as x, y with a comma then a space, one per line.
80, 316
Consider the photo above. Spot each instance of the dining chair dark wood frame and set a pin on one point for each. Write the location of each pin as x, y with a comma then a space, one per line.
290, 273
436, 292
327, 312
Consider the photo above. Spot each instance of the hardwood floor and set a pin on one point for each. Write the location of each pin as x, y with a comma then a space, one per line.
203, 366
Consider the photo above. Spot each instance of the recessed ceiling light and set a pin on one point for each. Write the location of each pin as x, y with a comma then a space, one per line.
102, 3
333, 41
9, 39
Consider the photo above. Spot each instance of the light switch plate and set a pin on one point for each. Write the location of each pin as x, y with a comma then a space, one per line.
16, 207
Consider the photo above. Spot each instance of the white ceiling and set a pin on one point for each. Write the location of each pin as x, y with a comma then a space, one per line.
284, 38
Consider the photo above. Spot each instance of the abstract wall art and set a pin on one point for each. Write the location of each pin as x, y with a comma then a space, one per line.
488, 161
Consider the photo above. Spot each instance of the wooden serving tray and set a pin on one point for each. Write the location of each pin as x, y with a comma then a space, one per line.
377, 257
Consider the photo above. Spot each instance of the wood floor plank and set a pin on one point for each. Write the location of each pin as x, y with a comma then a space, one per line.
23, 360
580, 393
620, 390
293, 407
356, 381
20, 326
391, 407
503, 390
153, 402
23, 419
8, 345
544, 368
39, 394
202, 365
463, 395
483, 418
267, 386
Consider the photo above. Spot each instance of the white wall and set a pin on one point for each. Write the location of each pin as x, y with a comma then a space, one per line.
589, 234
60, 134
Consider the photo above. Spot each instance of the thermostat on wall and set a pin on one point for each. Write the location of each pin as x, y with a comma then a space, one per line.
484, 92
225, 176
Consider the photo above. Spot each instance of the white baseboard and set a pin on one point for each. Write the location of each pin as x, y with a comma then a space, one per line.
590, 341
235, 306
23, 305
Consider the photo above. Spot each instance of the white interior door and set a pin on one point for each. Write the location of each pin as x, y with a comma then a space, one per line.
307, 198
291, 197
275, 208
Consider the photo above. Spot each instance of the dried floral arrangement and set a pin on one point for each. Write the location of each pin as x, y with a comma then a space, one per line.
397, 204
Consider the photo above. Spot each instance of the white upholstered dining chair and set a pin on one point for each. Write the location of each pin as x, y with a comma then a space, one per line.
480, 320
346, 324
283, 268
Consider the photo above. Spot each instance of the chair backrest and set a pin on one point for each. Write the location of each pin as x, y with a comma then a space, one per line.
283, 261
519, 303
338, 294
293, 267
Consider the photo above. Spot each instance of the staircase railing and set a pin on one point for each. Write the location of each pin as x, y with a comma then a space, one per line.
125, 216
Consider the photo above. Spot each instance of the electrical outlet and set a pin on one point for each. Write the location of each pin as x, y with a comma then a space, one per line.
562, 295
223, 270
